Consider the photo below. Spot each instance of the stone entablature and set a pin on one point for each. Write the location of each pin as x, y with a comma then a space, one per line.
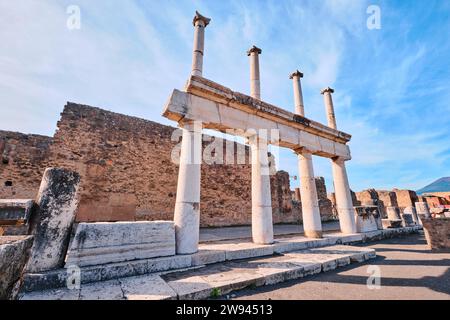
219, 108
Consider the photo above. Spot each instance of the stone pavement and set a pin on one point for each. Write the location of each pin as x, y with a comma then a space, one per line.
216, 279
245, 232
409, 271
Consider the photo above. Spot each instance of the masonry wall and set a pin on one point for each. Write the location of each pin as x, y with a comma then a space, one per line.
23, 159
128, 173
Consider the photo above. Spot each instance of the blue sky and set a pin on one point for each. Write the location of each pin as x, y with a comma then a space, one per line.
392, 85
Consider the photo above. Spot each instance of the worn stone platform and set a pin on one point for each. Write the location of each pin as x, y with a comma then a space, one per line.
209, 253
216, 279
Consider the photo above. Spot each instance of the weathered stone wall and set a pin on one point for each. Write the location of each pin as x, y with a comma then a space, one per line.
23, 159
437, 233
127, 172
325, 204
405, 198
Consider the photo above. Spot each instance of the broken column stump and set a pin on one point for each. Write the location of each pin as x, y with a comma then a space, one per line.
57, 201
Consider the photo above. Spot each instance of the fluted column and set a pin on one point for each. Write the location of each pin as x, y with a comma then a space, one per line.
255, 87
187, 207
200, 22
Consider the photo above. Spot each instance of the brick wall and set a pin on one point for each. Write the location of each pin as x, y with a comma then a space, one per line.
128, 173
23, 159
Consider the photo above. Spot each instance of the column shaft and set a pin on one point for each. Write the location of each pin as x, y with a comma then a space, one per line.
344, 203
298, 96
199, 44
262, 226
312, 224
187, 207
330, 110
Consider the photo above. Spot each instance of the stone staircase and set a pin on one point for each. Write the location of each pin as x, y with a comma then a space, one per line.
216, 279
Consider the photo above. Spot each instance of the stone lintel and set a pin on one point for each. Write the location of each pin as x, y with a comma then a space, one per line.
296, 74
327, 89
223, 114
254, 49
212, 91
199, 17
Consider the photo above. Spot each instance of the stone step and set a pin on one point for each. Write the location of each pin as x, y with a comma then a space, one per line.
15, 215
216, 279
209, 253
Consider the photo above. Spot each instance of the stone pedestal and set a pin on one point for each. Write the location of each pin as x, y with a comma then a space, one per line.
262, 226
187, 206
344, 204
423, 211
110, 242
413, 219
393, 213
57, 201
366, 218
312, 224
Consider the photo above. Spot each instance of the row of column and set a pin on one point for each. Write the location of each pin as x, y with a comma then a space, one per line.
187, 208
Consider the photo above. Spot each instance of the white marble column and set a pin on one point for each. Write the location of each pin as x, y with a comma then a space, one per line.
328, 100
200, 22
344, 203
262, 226
255, 87
298, 95
187, 207
312, 224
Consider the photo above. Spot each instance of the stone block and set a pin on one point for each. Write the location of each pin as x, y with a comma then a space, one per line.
107, 290
407, 219
15, 216
203, 257
111, 242
388, 223
366, 218
148, 287
57, 201
14, 253
437, 233
393, 213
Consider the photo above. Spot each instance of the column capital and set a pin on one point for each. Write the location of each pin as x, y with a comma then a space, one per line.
199, 17
301, 150
296, 74
327, 89
254, 49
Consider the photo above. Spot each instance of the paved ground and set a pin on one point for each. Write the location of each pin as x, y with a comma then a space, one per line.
217, 234
408, 271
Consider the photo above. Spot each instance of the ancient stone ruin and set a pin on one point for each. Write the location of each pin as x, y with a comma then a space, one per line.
104, 199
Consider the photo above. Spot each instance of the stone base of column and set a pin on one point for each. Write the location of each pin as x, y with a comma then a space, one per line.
187, 224
313, 234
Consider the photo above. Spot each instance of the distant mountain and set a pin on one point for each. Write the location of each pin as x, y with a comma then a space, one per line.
440, 185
